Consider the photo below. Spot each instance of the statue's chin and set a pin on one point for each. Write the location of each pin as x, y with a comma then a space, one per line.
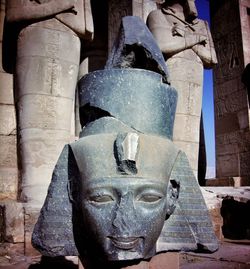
125, 249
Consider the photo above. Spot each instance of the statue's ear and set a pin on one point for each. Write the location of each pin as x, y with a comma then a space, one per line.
172, 195
189, 227
53, 232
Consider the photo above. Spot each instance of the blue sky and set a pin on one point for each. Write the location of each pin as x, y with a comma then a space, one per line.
207, 105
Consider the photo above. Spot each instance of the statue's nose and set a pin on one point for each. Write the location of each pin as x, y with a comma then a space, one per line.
125, 214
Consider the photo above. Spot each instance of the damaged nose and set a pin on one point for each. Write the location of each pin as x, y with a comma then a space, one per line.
125, 213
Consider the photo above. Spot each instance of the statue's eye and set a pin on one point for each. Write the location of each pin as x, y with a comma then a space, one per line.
102, 198
150, 198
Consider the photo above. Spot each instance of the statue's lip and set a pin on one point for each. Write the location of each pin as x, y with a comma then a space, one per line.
125, 242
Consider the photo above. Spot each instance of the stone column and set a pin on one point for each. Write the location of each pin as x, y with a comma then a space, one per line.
45, 90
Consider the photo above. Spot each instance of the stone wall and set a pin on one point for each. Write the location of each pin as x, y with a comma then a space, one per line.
12, 214
232, 44
8, 151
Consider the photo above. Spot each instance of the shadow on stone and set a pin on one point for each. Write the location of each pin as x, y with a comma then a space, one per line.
236, 219
56, 262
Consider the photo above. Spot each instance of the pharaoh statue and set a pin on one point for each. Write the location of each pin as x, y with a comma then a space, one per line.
187, 46
48, 34
124, 191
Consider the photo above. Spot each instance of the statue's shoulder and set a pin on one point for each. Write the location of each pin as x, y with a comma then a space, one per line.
200, 24
157, 17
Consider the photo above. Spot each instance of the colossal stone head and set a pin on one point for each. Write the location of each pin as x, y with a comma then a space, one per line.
124, 191
123, 194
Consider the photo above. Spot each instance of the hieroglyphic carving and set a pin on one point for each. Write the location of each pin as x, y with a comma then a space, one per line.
230, 103
230, 59
228, 138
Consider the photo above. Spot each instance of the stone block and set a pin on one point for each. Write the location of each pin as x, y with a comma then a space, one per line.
8, 154
243, 119
189, 98
11, 254
7, 119
35, 182
227, 165
213, 204
6, 89
30, 217
8, 183
14, 222
186, 128
1, 56
227, 149
42, 147
45, 112
2, 223
184, 69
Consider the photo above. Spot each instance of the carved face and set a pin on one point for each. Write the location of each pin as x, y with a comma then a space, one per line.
124, 215
190, 10
123, 193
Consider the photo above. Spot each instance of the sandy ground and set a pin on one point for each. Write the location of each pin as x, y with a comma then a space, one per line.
229, 256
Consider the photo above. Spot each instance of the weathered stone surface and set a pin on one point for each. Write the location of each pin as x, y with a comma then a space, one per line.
137, 51
14, 222
11, 254
31, 214
42, 148
2, 223
6, 92
229, 255
124, 92
52, 112
7, 119
191, 126
8, 155
213, 203
8, 183
53, 232
39, 151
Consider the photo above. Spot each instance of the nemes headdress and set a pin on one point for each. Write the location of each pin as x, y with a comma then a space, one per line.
127, 114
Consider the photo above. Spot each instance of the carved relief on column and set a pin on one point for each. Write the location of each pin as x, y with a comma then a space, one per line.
46, 70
